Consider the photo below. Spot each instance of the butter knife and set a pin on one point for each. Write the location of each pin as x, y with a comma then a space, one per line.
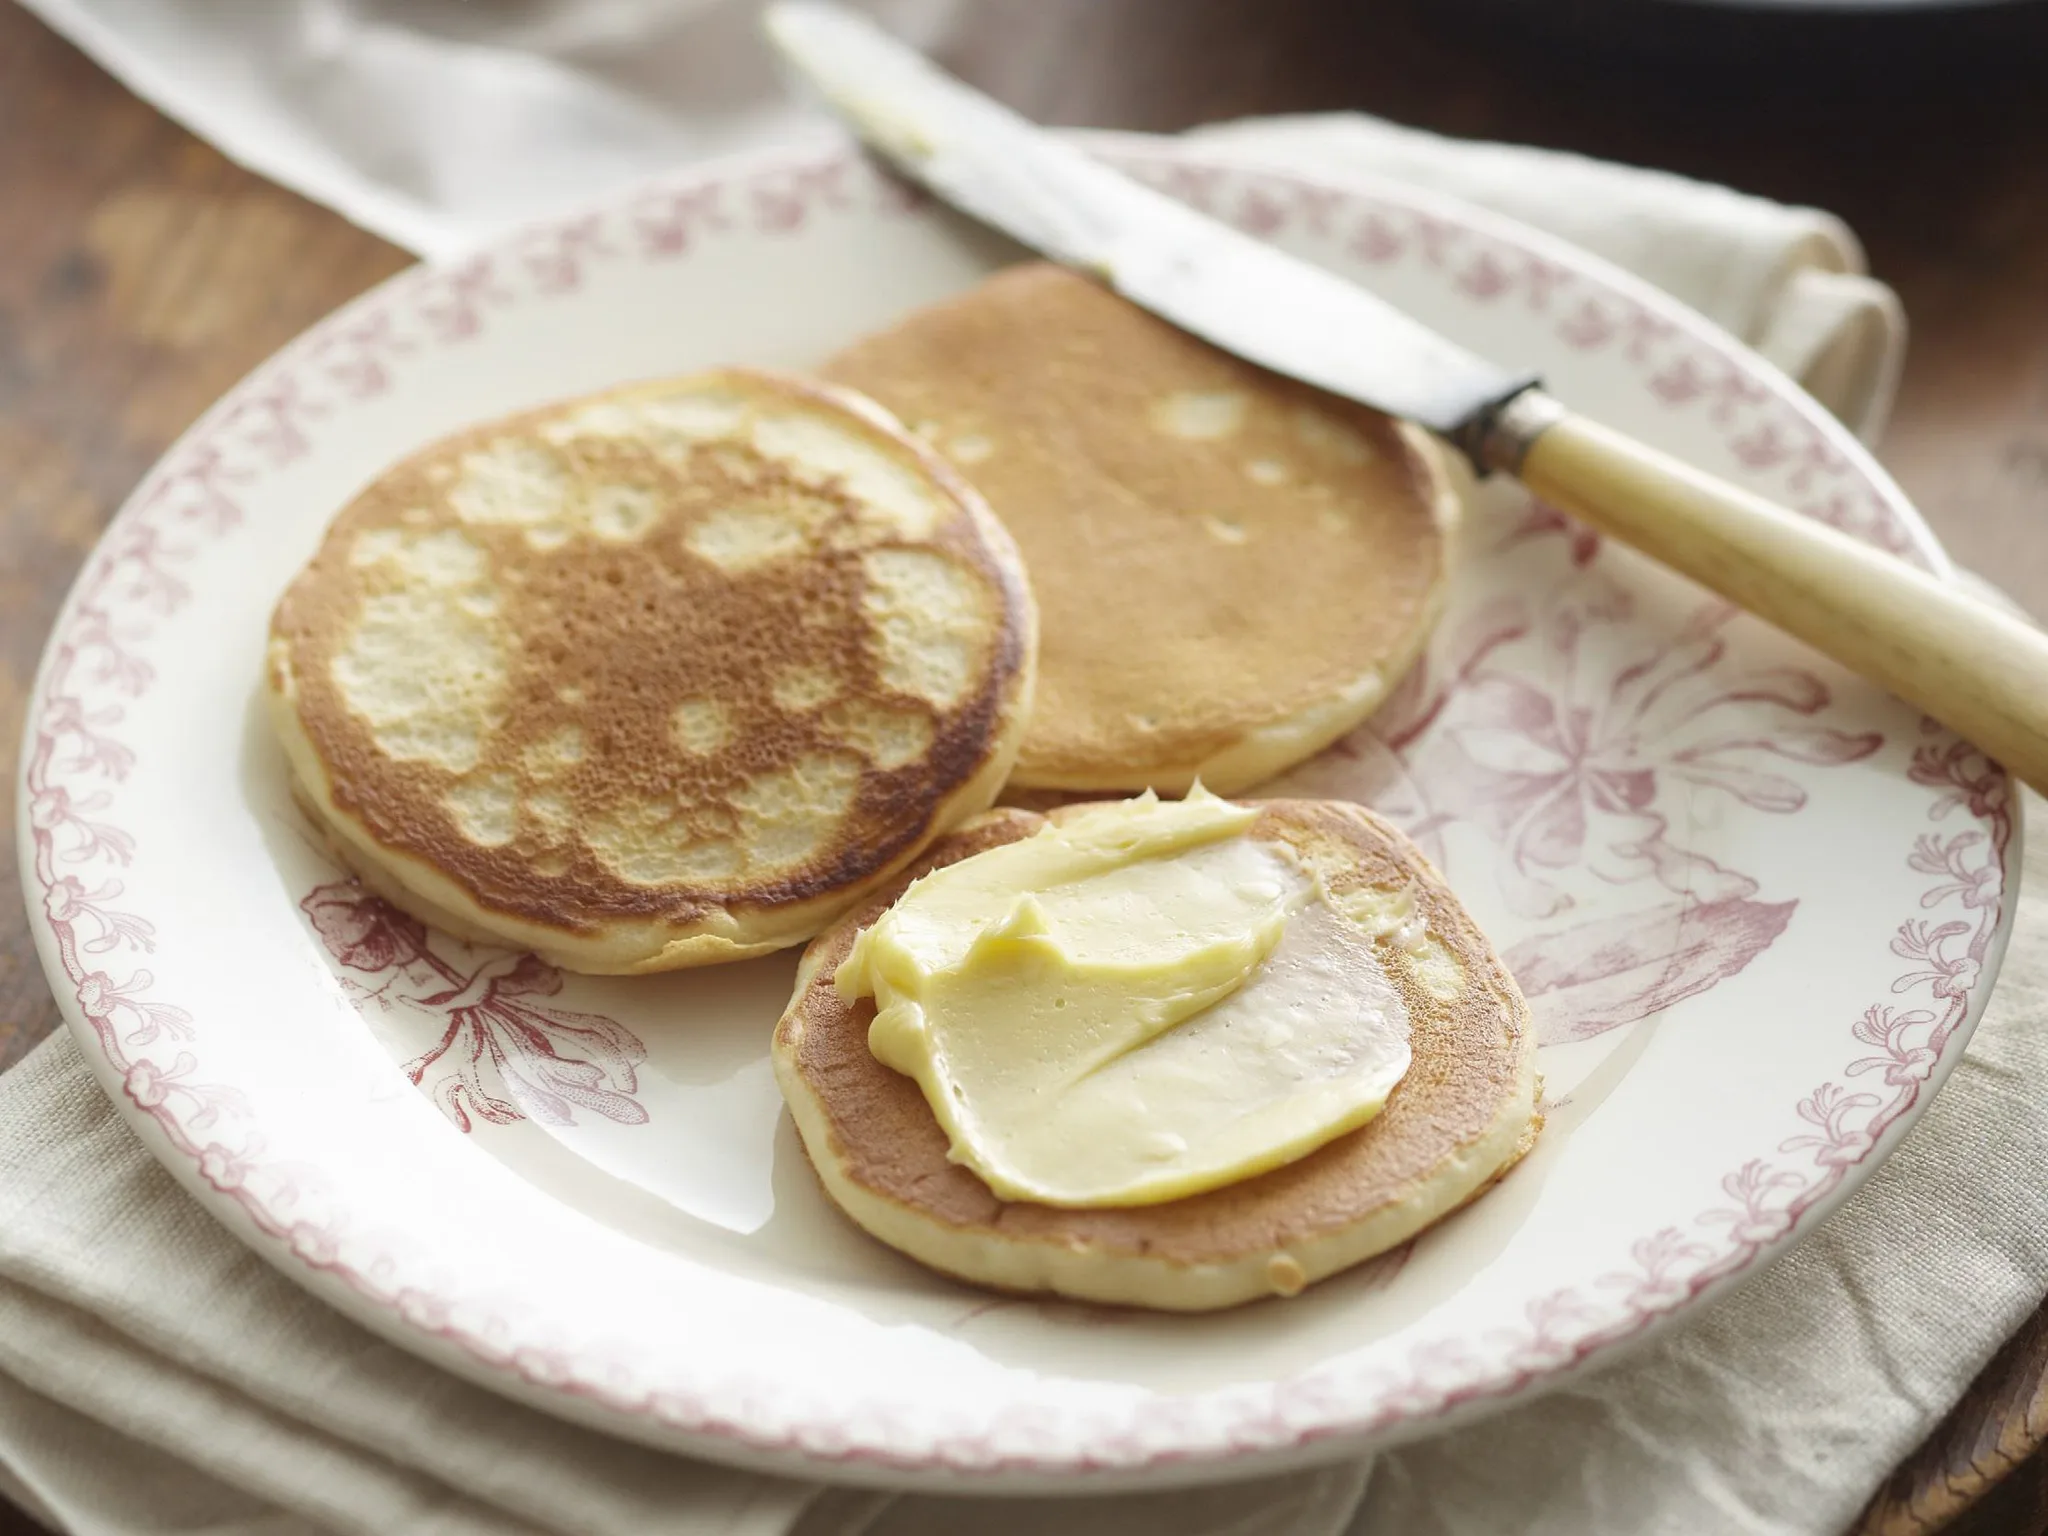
1977, 669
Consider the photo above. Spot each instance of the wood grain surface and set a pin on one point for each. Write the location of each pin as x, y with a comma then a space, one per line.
141, 274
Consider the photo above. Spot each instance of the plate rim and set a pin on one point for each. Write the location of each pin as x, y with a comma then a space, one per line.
1264, 1441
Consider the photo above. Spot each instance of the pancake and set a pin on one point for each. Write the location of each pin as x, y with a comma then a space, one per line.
660, 677
1232, 569
1464, 1113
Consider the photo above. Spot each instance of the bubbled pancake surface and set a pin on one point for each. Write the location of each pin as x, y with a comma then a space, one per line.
1215, 551
1464, 1112
657, 676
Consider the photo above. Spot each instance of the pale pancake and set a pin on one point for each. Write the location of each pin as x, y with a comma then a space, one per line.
664, 676
1463, 1114
1232, 570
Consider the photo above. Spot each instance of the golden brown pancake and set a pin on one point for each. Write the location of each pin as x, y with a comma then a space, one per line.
667, 675
1464, 1113
1232, 569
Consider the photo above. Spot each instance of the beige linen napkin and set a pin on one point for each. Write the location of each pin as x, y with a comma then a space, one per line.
1789, 281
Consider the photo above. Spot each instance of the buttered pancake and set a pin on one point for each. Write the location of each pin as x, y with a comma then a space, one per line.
660, 677
1462, 1114
1232, 570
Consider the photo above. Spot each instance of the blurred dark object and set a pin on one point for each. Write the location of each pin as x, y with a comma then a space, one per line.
1865, 46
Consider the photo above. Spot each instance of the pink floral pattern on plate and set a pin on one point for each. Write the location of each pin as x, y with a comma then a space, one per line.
1574, 775
546, 1062
1580, 763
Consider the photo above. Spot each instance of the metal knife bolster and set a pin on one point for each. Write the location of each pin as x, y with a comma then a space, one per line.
1500, 434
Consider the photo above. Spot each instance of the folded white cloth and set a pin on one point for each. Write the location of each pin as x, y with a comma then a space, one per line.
436, 123
154, 1376
1789, 281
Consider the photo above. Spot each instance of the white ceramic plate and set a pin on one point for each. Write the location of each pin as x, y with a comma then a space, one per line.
1756, 906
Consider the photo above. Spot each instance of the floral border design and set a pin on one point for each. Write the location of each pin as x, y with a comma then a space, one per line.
98, 663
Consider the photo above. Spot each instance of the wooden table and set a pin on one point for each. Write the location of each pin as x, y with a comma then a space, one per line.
141, 274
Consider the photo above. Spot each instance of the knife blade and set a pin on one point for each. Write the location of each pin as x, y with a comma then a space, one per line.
1977, 669
1207, 278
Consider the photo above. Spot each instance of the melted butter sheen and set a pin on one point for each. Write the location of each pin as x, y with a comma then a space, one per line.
1134, 1006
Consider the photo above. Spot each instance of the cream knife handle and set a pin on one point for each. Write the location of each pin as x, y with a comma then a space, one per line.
1978, 670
